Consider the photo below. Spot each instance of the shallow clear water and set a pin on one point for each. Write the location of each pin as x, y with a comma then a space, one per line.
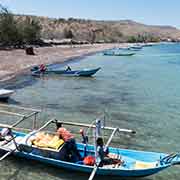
141, 92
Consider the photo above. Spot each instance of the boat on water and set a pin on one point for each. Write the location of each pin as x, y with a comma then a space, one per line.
109, 53
35, 71
135, 48
128, 163
5, 93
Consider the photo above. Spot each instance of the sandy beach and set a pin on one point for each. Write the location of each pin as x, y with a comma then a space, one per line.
14, 62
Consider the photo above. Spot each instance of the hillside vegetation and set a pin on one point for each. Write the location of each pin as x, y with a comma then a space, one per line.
17, 30
103, 31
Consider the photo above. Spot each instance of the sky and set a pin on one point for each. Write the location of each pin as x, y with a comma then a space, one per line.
152, 12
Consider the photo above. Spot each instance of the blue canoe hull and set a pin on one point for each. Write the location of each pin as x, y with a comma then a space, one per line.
119, 54
85, 73
126, 170
88, 169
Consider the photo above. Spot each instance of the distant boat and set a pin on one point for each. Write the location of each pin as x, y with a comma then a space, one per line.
5, 93
67, 72
147, 44
135, 48
118, 54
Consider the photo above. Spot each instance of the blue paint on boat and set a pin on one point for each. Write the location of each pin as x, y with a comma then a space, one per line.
85, 72
112, 53
127, 169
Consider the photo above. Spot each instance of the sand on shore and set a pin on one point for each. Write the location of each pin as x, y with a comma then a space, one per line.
14, 62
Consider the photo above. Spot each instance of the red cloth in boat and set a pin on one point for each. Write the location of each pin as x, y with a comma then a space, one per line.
64, 134
89, 160
42, 67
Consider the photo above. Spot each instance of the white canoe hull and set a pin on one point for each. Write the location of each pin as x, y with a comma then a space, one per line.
5, 93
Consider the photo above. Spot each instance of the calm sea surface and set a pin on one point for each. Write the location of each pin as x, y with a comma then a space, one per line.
141, 92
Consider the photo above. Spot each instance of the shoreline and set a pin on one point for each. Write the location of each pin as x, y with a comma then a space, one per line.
15, 62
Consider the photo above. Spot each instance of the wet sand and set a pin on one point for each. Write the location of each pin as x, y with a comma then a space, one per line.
14, 62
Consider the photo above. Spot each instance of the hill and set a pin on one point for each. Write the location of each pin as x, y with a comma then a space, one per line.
103, 31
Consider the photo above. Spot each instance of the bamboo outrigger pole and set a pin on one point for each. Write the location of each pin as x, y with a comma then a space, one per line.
23, 116
19, 107
9, 127
93, 126
106, 146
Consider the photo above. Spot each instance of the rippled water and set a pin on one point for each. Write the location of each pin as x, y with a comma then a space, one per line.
141, 92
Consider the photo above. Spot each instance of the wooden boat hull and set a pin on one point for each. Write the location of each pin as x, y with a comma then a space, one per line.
85, 73
128, 169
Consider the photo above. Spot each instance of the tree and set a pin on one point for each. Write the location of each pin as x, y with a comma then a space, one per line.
14, 33
94, 34
68, 33
9, 34
30, 30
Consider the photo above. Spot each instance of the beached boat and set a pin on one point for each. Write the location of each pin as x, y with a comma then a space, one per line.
118, 53
129, 163
5, 93
66, 72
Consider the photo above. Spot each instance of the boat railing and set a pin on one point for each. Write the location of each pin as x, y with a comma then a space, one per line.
30, 112
7, 129
93, 126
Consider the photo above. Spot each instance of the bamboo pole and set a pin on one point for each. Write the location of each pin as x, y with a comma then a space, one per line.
106, 146
84, 125
15, 128
13, 139
12, 113
30, 115
6, 126
110, 139
5, 155
93, 126
45, 125
34, 120
18, 122
23, 117
126, 130
19, 107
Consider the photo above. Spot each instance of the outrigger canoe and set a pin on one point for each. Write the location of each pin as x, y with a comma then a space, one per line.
84, 72
133, 163
135, 48
118, 54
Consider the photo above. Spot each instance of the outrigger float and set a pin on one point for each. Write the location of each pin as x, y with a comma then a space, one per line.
15, 141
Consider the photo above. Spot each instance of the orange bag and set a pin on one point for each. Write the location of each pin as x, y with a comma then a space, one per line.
89, 160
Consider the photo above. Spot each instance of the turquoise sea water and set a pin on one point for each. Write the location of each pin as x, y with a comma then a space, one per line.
141, 92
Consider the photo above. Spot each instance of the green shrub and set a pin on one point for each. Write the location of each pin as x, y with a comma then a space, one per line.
9, 34
30, 30
14, 33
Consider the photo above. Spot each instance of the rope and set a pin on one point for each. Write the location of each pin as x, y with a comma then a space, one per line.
169, 158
